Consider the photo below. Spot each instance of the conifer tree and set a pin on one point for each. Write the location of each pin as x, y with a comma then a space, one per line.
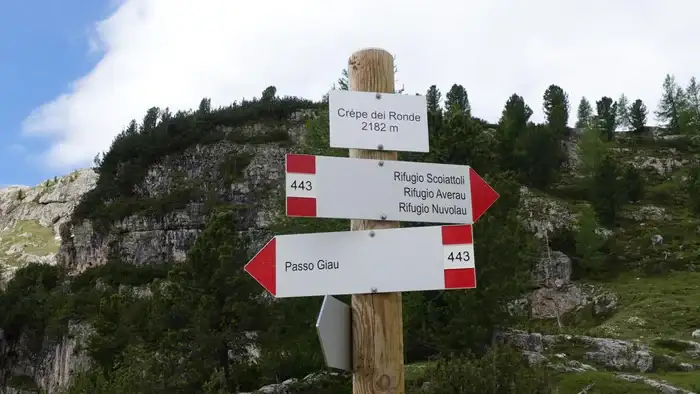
623, 112
638, 116
556, 108
606, 196
584, 113
672, 104
606, 112
458, 99
433, 97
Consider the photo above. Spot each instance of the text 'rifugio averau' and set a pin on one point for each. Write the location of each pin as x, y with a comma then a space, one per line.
456, 201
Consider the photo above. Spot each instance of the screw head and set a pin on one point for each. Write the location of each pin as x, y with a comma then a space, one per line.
371, 233
383, 217
378, 96
374, 290
380, 147
381, 163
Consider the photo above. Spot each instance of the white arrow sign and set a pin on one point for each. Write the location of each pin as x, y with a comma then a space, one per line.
358, 262
349, 188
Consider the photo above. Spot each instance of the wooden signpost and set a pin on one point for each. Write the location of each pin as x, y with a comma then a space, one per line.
375, 261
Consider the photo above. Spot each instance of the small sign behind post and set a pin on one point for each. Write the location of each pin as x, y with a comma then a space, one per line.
378, 121
334, 327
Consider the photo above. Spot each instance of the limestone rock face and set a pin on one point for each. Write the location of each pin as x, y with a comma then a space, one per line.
30, 218
141, 239
52, 367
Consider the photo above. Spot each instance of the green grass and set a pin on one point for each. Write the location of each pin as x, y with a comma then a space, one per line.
685, 380
663, 306
605, 383
37, 240
573, 383
416, 371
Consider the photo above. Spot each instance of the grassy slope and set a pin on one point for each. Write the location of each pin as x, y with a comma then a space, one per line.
665, 305
37, 240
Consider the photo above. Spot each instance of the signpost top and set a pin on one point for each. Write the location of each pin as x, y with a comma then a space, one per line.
378, 121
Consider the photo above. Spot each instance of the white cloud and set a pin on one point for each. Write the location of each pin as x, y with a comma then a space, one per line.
174, 52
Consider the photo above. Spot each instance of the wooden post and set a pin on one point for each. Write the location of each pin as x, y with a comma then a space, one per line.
377, 319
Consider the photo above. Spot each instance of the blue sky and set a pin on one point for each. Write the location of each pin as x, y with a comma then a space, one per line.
44, 48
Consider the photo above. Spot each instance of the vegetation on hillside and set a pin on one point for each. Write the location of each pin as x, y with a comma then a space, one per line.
198, 328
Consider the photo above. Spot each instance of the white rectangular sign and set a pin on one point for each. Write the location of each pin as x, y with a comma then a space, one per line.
349, 188
358, 262
365, 120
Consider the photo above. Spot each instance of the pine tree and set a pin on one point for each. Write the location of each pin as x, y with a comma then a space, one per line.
516, 111
435, 118
606, 196
511, 126
606, 112
638, 116
589, 243
584, 113
692, 95
590, 150
204, 106
458, 99
672, 104
150, 120
556, 108
623, 112
433, 97
269, 93
633, 184
343, 80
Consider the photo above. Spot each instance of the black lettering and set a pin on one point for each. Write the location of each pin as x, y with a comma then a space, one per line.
327, 265
298, 267
407, 117
459, 256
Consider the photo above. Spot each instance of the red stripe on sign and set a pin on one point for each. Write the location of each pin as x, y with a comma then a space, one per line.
457, 235
460, 278
301, 206
301, 164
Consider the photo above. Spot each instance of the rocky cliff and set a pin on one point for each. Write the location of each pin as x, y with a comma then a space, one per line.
142, 238
30, 218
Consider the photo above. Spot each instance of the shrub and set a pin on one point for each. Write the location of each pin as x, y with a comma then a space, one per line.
502, 370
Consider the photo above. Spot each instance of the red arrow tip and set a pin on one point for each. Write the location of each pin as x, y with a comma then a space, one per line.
263, 267
483, 195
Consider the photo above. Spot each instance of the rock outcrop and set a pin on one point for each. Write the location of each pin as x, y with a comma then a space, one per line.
49, 369
30, 218
140, 238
